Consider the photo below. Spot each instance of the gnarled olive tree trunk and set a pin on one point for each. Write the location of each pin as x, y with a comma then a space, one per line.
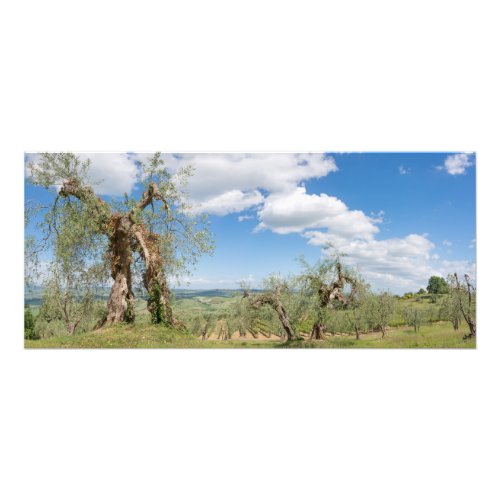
121, 301
285, 321
318, 331
154, 277
125, 236
329, 294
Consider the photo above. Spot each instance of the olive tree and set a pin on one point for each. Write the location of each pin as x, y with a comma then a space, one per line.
208, 322
358, 312
450, 310
157, 229
464, 293
382, 307
243, 315
77, 273
276, 292
331, 286
70, 294
414, 317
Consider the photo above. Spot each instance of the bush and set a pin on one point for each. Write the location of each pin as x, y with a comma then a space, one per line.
29, 324
46, 329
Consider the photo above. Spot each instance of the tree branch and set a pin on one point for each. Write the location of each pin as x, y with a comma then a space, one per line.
152, 193
85, 194
140, 239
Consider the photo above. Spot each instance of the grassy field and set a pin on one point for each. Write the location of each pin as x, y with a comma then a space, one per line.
437, 335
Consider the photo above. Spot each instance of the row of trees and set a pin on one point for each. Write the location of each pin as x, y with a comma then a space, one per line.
328, 297
318, 294
437, 285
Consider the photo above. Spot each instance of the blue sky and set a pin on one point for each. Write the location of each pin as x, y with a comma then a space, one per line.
398, 217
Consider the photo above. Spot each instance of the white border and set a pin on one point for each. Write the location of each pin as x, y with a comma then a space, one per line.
265, 76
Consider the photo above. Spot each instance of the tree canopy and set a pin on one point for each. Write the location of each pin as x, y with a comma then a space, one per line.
331, 285
437, 284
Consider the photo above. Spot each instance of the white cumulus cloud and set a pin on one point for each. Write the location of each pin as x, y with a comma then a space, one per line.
403, 263
112, 173
216, 174
398, 264
242, 218
229, 202
457, 164
295, 211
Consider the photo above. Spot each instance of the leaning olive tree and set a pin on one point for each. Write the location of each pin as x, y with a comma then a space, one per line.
76, 274
156, 231
276, 293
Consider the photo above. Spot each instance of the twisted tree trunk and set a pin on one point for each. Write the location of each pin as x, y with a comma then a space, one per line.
126, 236
326, 295
154, 277
329, 294
121, 302
318, 331
285, 321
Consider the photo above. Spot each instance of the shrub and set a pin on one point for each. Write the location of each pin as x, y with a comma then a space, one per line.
46, 329
29, 324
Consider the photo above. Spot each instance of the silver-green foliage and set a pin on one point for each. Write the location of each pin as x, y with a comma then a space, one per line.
380, 310
184, 233
415, 317
450, 310
78, 227
69, 296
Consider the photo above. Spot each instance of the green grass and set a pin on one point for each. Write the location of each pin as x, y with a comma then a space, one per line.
135, 336
437, 335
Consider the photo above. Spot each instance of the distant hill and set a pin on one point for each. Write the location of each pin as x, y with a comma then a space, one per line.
34, 295
183, 293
